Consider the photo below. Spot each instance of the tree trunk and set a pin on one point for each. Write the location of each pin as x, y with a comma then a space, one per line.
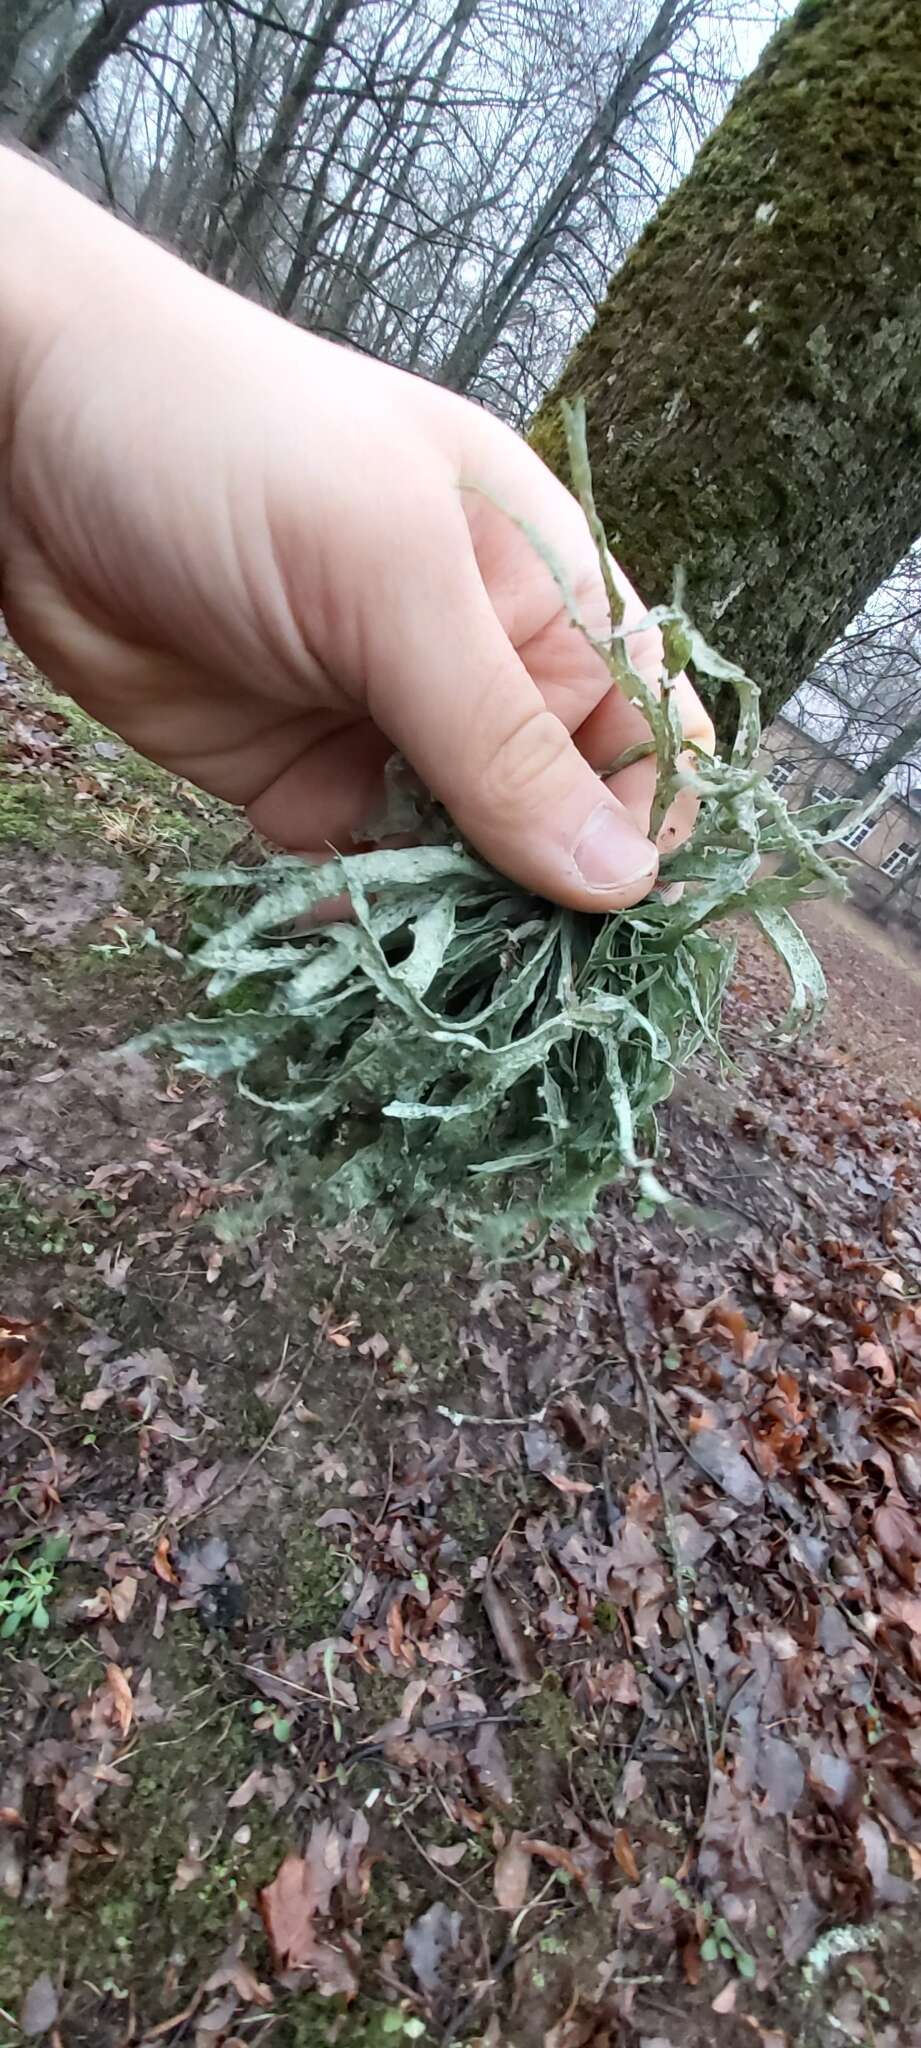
481, 331
902, 744
16, 18
231, 243
753, 377
115, 22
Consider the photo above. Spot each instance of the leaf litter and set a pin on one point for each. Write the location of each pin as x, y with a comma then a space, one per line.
564, 1745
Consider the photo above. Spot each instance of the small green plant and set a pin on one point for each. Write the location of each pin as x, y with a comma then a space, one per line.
26, 1589
719, 1942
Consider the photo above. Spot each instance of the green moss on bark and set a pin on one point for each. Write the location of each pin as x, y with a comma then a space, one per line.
753, 377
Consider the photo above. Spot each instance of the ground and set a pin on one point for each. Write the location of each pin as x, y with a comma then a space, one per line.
402, 1649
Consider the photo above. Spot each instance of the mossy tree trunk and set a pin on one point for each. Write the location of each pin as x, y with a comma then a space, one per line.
753, 377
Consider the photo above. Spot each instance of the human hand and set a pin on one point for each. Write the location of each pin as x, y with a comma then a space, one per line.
268, 562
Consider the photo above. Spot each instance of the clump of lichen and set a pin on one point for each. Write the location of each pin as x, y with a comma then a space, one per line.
461, 1042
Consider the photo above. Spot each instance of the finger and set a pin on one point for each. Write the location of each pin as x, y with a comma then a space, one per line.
455, 697
328, 794
616, 725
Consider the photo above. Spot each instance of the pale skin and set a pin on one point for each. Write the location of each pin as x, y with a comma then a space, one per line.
268, 562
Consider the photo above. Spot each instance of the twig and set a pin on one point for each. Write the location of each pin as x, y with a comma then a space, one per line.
444, 1876
208, 1506
458, 1418
683, 1604
6, 1408
460, 1724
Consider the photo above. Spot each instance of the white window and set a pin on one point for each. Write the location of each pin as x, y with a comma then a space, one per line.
782, 772
824, 794
897, 861
854, 835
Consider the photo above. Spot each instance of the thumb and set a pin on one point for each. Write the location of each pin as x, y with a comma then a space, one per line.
451, 692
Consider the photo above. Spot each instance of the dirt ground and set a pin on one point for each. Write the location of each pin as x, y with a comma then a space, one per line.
401, 1649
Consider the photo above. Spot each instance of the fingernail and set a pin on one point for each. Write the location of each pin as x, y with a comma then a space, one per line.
611, 853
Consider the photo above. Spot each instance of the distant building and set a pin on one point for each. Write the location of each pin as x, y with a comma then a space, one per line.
817, 749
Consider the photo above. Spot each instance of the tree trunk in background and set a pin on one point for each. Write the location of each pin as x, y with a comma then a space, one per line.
109, 32
231, 244
900, 746
15, 21
753, 377
481, 331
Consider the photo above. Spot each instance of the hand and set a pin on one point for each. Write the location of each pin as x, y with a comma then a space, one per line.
267, 562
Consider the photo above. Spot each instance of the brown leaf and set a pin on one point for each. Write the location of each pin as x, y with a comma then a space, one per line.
122, 1696
302, 1890
444, 1859
22, 1347
621, 1685
189, 1870
124, 1594
488, 1763
632, 1785
623, 1851
552, 1853
512, 1875
875, 1358
234, 1971
287, 1906
904, 1608
163, 1565
897, 1533
744, 1340
247, 1791
514, 1648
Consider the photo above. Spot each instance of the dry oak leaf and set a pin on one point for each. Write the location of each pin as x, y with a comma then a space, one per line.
512, 1875
121, 1696
22, 1348
289, 1906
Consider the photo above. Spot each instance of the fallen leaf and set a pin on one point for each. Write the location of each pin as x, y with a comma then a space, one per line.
903, 1608
299, 1894
189, 1870
40, 2008
514, 1648
781, 1774
725, 2000
723, 1461
234, 1971
623, 1851
21, 1351
488, 1763
122, 1696
512, 1876
247, 1791
554, 1854
897, 1533
450, 1857
123, 1596
163, 1564
632, 1785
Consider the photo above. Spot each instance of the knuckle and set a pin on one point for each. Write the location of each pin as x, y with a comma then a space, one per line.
525, 761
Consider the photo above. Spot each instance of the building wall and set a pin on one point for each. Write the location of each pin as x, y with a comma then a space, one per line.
896, 825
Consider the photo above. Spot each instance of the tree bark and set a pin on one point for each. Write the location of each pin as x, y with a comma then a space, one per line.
900, 746
753, 377
115, 22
